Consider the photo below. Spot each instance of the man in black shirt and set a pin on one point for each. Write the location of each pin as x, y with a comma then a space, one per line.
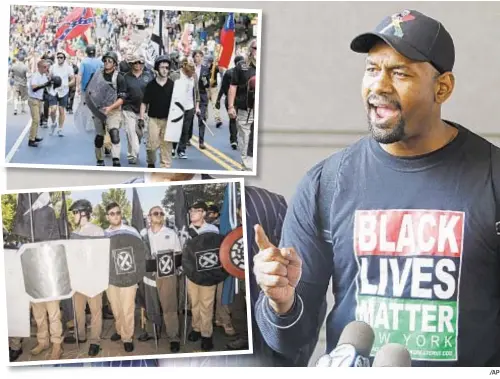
158, 96
242, 100
109, 76
223, 91
136, 81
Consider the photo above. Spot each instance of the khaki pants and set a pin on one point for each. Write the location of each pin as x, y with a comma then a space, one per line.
156, 139
244, 120
130, 122
35, 106
113, 121
202, 307
122, 300
15, 343
222, 316
214, 92
54, 324
167, 292
95, 305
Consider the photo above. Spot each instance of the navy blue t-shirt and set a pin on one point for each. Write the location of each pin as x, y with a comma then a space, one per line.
410, 246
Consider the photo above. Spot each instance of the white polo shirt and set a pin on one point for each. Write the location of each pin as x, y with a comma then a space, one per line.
37, 79
164, 239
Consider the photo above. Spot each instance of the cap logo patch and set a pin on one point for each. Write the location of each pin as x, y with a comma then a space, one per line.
397, 20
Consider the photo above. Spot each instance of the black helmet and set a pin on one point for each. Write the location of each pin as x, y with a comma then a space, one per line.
56, 81
238, 59
161, 59
112, 55
90, 50
82, 205
174, 55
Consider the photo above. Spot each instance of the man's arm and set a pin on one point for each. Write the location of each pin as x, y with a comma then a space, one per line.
122, 93
294, 331
231, 96
145, 101
224, 87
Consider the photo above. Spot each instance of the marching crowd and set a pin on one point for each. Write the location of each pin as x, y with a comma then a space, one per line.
205, 304
47, 75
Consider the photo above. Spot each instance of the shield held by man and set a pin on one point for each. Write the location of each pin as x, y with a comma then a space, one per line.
232, 253
127, 264
201, 261
100, 94
165, 263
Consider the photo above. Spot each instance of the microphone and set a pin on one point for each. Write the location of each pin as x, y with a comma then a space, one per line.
353, 349
392, 355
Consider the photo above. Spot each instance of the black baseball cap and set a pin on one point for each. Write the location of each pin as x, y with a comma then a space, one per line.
199, 205
414, 35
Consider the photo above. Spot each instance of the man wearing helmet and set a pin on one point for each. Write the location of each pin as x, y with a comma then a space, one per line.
88, 67
102, 79
82, 210
58, 97
157, 98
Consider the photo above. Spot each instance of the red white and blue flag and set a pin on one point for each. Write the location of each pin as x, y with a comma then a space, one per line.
227, 41
75, 24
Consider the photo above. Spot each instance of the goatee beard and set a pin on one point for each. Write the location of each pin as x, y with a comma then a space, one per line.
387, 136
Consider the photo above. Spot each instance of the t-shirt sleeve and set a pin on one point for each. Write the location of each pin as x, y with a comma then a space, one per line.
295, 333
121, 85
236, 76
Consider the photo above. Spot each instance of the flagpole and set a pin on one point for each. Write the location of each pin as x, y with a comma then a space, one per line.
161, 48
31, 219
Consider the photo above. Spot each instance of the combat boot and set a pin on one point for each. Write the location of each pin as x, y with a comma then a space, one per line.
57, 351
38, 349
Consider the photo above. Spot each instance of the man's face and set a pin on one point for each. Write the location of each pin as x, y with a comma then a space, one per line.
253, 50
77, 217
196, 215
212, 216
398, 94
198, 58
109, 64
60, 59
114, 216
157, 216
163, 69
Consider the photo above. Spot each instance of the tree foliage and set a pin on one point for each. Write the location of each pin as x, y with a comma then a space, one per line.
56, 200
209, 193
118, 196
9, 204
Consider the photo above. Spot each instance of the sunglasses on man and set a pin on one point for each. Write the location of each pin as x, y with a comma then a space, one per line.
60, 57
156, 214
117, 213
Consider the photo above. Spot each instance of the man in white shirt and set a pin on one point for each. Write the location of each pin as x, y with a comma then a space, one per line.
163, 239
82, 210
122, 299
37, 82
202, 298
58, 98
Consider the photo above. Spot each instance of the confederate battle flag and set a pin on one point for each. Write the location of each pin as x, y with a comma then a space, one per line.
75, 24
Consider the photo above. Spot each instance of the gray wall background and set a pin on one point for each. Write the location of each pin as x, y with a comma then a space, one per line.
310, 102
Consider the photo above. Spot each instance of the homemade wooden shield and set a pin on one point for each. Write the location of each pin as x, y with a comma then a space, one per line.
200, 259
232, 253
176, 114
127, 260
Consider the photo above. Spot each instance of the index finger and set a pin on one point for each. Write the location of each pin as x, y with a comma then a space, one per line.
271, 254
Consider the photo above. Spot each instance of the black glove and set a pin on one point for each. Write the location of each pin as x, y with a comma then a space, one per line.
217, 104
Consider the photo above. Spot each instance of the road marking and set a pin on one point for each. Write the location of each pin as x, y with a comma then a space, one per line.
18, 142
217, 152
215, 159
227, 158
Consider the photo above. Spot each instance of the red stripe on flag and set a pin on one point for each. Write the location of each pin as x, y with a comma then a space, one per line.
227, 44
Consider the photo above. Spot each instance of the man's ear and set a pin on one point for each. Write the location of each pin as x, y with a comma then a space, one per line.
445, 84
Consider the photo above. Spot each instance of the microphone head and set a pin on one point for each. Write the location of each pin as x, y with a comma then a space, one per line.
360, 335
392, 355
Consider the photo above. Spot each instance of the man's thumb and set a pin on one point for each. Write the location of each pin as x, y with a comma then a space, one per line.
261, 238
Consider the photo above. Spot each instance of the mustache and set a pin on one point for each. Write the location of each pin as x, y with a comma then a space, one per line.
382, 99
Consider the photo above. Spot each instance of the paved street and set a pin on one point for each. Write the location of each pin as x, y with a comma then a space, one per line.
77, 146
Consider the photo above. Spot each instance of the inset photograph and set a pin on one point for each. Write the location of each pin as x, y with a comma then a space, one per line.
131, 271
133, 89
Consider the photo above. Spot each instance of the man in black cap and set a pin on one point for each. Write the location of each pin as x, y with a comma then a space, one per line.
402, 222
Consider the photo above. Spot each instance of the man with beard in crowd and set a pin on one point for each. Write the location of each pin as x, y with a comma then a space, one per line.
109, 76
223, 91
157, 98
136, 81
241, 101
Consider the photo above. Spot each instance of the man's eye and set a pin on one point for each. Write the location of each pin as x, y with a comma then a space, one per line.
371, 69
400, 74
